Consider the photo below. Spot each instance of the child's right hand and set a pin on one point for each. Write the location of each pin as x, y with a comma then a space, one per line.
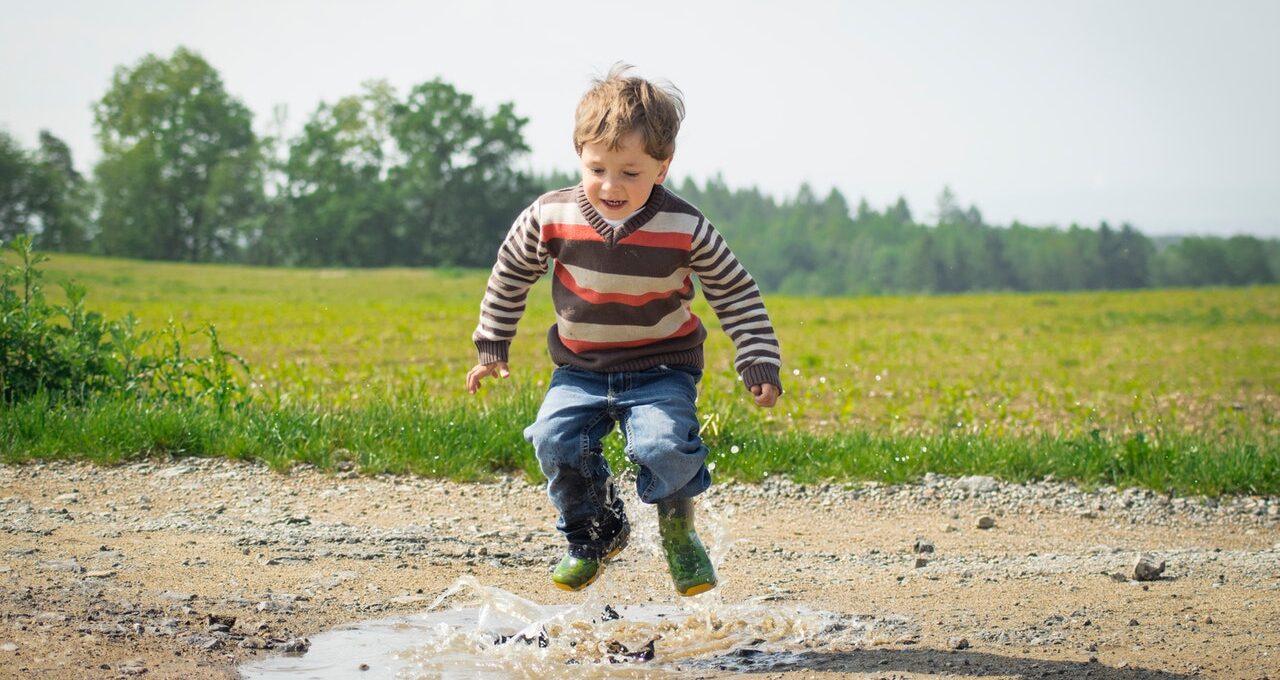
482, 371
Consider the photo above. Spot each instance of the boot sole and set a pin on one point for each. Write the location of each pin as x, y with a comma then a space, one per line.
697, 589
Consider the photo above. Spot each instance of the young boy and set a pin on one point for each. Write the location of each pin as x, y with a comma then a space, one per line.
626, 345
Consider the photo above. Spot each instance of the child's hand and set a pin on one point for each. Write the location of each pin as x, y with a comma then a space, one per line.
766, 394
482, 371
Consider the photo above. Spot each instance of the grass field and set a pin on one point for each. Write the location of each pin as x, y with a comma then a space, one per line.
1012, 384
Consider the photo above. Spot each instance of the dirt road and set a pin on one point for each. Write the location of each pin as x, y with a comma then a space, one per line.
187, 568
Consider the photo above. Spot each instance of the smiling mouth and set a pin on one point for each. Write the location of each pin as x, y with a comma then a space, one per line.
613, 205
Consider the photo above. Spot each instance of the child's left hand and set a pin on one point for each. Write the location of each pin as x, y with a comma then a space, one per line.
766, 394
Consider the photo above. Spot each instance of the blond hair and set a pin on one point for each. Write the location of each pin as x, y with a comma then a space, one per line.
618, 105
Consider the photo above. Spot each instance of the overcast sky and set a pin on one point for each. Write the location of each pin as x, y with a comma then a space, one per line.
1162, 114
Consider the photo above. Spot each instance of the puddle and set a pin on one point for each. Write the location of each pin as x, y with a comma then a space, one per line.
478, 631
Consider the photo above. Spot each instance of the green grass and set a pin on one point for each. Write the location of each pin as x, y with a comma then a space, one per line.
1163, 389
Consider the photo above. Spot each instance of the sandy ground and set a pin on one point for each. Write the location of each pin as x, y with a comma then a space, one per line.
186, 569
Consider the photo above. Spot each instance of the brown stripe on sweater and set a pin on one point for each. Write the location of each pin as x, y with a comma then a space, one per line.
614, 313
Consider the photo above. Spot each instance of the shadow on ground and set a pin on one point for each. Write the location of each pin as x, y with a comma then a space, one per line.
962, 664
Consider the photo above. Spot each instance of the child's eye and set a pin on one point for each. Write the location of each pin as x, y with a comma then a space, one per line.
632, 175
597, 171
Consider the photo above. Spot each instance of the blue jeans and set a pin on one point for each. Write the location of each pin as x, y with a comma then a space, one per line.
660, 425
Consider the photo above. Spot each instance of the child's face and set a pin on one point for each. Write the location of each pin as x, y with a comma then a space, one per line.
619, 182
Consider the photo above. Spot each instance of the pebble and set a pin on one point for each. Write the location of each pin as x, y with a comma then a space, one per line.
922, 545
978, 484
986, 522
175, 596
175, 471
958, 643
295, 645
59, 565
1146, 568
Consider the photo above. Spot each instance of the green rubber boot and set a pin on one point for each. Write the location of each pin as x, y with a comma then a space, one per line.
691, 568
577, 571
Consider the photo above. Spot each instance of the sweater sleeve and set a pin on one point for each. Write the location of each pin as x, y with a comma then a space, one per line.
736, 300
522, 260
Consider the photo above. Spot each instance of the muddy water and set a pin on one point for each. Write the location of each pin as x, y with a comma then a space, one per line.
477, 631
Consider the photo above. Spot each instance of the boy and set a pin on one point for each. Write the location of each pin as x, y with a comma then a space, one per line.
626, 345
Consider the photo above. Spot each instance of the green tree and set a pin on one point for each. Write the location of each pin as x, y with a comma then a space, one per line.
340, 205
42, 194
428, 180
457, 182
181, 170
65, 198
17, 175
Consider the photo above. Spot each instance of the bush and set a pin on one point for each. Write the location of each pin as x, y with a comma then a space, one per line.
69, 353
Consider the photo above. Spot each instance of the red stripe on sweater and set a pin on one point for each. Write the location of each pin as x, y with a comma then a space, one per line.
583, 232
659, 239
594, 297
580, 346
570, 232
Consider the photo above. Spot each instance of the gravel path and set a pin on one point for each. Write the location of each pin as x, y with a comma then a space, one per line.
188, 568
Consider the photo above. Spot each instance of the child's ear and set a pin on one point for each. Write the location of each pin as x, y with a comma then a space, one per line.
662, 174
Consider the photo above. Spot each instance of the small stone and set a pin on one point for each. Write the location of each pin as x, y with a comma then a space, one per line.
364, 666
175, 471
205, 642
295, 646
1146, 568
8, 647
72, 497
978, 484
1133, 622
958, 643
921, 562
227, 620
60, 565
175, 596
253, 642
99, 573
923, 545
986, 522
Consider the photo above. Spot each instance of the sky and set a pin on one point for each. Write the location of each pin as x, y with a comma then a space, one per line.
1162, 114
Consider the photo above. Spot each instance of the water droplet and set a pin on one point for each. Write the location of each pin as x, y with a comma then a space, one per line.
734, 449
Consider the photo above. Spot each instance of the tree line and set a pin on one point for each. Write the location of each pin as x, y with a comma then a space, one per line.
429, 178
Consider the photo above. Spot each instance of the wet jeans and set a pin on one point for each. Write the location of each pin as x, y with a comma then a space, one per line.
656, 411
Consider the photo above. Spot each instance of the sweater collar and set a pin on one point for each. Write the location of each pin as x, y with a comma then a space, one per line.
611, 235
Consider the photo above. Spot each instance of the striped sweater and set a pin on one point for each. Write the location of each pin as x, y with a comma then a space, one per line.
622, 295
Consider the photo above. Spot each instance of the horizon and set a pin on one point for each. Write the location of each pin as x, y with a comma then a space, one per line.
1153, 114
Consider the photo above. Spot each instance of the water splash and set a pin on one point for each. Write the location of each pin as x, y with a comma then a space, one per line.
479, 631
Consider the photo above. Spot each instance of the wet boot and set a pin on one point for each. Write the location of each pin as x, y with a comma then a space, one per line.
691, 568
578, 569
